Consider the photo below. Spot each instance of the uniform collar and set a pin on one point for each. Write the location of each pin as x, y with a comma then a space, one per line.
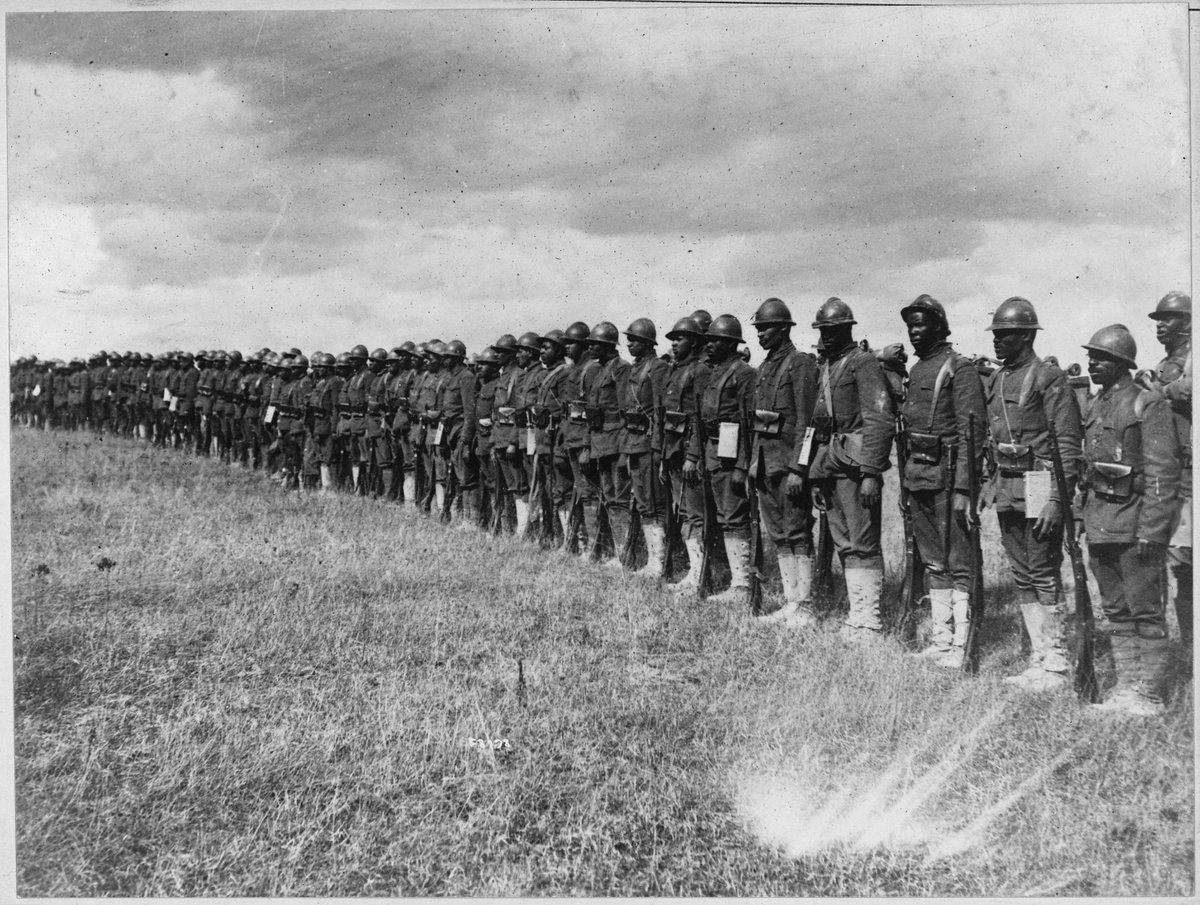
784, 350
938, 349
1020, 362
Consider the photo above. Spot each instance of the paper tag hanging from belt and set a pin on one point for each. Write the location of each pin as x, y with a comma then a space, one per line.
727, 440
174, 403
806, 448
166, 395
437, 435
1037, 492
37, 390
269, 417
530, 441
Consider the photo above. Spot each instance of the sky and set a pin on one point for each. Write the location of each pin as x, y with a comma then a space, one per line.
321, 179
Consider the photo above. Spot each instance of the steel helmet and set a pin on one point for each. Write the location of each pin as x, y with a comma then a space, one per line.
1174, 302
379, 355
772, 311
703, 319
300, 361
489, 356
726, 327
604, 333
834, 313
455, 349
577, 332
557, 337
235, 356
505, 343
643, 328
530, 341
396, 354
359, 352
202, 355
409, 348
926, 302
684, 326
342, 360
1116, 341
1015, 314
437, 347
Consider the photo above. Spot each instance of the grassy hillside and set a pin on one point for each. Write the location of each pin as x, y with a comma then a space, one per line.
269, 694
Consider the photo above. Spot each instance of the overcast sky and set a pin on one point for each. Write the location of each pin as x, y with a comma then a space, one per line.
241, 179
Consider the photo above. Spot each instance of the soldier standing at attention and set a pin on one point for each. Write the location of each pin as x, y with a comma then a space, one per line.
376, 436
528, 356
1023, 396
1173, 380
576, 489
355, 392
485, 396
321, 416
604, 420
724, 409
1130, 495
504, 422
546, 415
944, 390
404, 372
681, 447
456, 406
855, 426
784, 396
204, 403
641, 439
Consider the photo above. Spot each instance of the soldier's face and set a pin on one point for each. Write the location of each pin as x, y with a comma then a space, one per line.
718, 349
683, 345
1104, 369
577, 350
639, 348
551, 354
1170, 326
770, 336
923, 330
1009, 344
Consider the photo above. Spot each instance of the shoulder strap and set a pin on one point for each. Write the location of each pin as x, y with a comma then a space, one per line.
946, 372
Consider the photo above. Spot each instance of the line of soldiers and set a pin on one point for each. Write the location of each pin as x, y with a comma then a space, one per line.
558, 438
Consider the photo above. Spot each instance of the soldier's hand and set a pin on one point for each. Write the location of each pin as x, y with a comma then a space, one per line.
737, 480
794, 485
584, 457
1147, 548
962, 511
1049, 519
691, 473
511, 449
871, 487
820, 497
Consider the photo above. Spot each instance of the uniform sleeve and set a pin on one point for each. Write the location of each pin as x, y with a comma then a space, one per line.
968, 400
1179, 391
699, 382
467, 385
1161, 462
803, 383
879, 424
659, 372
1062, 410
746, 380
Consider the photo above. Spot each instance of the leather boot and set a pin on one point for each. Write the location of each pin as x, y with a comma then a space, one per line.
522, 517
690, 583
1154, 667
439, 500
737, 549
863, 587
385, 482
655, 549
941, 610
953, 659
409, 486
326, 479
1126, 663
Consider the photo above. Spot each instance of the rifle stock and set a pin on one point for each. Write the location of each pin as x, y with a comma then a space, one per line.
912, 581
756, 551
970, 662
709, 527
1086, 686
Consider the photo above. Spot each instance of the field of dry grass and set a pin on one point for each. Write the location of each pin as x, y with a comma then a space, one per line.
269, 694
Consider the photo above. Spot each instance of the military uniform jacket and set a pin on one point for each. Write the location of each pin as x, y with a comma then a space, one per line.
1022, 398
375, 421
355, 394
204, 391
726, 398
485, 396
77, 388
861, 425
681, 393
295, 397
576, 387
159, 378
505, 401
61, 390
943, 390
456, 402
220, 392
1130, 427
548, 406
604, 407
321, 405
642, 404
99, 382
187, 390
397, 399
786, 386
174, 379
1175, 374
526, 397
252, 390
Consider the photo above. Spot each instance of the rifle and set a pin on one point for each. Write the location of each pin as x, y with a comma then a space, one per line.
709, 529
629, 548
672, 530
823, 561
498, 501
970, 662
756, 550
1086, 686
912, 582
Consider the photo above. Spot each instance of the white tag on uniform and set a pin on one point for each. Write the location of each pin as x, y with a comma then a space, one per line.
269, 417
806, 447
727, 440
1037, 492
530, 441
37, 390
174, 402
437, 434
166, 395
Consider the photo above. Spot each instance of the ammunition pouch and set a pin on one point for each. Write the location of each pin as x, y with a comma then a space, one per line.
675, 422
845, 451
577, 413
595, 417
431, 417
768, 423
344, 409
924, 449
1013, 459
1114, 481
636, 422
505, 415
539, 416
521, 417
